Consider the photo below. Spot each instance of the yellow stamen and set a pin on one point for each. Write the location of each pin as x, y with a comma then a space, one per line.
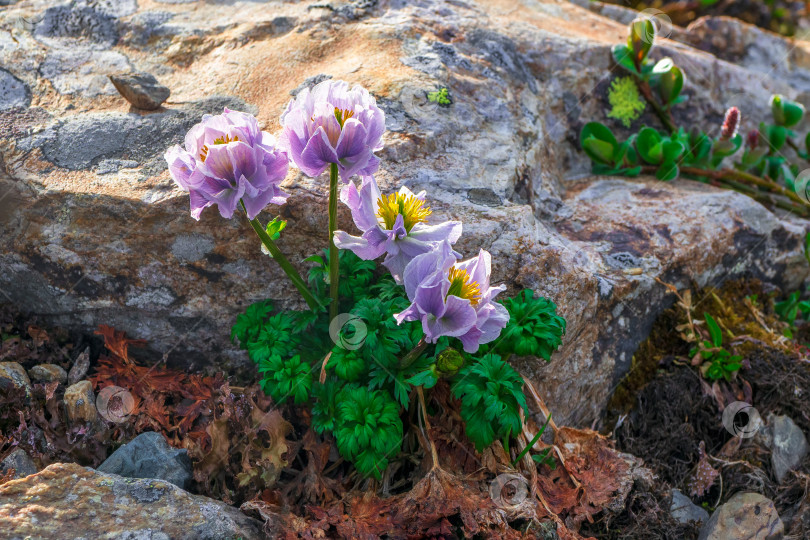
219, 140
462, 286
342, 116
413, 210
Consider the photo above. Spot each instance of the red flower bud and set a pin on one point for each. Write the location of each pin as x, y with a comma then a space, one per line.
730, 124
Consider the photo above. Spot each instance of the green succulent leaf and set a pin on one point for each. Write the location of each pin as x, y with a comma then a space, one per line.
640, 41
624, 57
667, 171
785, 112
649, 145
598, 142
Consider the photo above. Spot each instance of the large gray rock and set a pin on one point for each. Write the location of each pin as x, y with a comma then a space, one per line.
67, 501
746, 516
95, 232
149, 456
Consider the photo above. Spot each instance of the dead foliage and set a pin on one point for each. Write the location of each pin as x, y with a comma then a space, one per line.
237, 440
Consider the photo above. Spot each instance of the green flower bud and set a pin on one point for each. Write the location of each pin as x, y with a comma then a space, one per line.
642, 35
449, 361
785, 112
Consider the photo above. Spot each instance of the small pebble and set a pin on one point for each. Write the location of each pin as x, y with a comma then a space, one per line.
141, 89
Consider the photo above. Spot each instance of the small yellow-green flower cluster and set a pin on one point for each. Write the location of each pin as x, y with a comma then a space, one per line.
625, 101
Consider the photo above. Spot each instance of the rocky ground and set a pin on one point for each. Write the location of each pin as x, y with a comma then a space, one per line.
95, 233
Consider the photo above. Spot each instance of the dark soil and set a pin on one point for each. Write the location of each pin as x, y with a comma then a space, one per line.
664, 412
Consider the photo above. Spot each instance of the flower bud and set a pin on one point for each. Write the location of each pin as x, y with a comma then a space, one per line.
730, 124
642, 35
449, 361
752, 139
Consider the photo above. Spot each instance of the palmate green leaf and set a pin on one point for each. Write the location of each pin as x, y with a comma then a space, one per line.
368, 429
324, 410
349, 366
283, 379
249, 324
356, 276
277, 337
491, 395
534, 328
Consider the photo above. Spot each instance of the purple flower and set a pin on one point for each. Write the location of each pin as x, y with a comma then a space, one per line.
392, 224
227, 158
332, 124
453, 298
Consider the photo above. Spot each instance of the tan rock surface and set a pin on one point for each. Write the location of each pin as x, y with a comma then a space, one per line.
94, 231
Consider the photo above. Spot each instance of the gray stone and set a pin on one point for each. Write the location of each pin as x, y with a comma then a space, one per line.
83, 71
192, 247
683, 510
14, 374
109, 166
66, 500
141, 89
746, 516
80, 366
77, 23
788, 445
13, 92
83, 140
48, 373
20, 462
149, 456
113, 8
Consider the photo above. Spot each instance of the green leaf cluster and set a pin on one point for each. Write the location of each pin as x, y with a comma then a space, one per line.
534, 328
718, 363
368, 385
491, 394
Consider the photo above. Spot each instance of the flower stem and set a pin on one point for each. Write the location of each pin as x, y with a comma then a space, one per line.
334, 270
412, 356
663, 114
285, 265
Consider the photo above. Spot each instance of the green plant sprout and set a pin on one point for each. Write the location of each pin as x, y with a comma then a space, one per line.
625, 101
440, 96
717, 363
762, 171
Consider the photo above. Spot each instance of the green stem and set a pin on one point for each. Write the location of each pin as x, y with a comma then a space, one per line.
664, 114
412, 356
334, 270
282, 261
532, 442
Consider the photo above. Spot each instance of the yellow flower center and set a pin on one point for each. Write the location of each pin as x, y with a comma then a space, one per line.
219, 140
461, 285
413, 210
342, 116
